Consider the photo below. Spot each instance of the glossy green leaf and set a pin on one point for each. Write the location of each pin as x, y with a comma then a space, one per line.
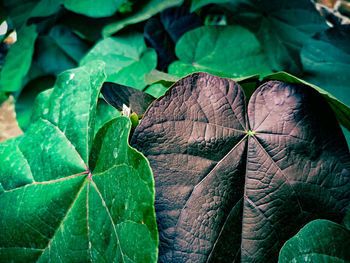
127, 59
235, 180
94, 8
320, 241
18, 60
206, 49
326, 62
60, 50
68, 197
141, 12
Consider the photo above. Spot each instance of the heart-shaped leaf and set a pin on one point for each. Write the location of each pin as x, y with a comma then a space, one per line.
206, 49
234, 182
319, 241
66, 195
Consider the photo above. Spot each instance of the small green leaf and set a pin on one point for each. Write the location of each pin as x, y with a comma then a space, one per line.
127, 59
206, 49
142, 12
18, 60
319, 241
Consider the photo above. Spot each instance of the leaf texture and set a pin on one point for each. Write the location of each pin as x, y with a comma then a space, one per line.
69, 196
234, 182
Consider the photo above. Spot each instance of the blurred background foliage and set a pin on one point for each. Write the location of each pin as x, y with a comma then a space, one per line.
149, 44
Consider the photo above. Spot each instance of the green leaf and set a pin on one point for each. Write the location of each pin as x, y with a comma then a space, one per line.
206, 49
25, 101
342, 111
104, 114
127, 59
143, 11
196, 4
21, 10
326, 62
235, 180
60, 50
282, 26
159, 77
319, 241
18, 60
65, 197
94, 8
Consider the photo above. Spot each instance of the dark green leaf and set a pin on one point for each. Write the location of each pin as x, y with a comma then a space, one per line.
206, 49
120, 96
320, 241
94, 8
60, 50
59, 205
236, 181
326, 62
127, 59
282, 26
18, 60
25, 101
21, 10
142, 11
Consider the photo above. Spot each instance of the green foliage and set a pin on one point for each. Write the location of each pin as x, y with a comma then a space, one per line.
66, 157
127, 59
18, 60
74, 191
319, 241
207, 49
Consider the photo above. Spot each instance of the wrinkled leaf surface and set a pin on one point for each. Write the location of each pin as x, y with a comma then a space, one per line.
234, 182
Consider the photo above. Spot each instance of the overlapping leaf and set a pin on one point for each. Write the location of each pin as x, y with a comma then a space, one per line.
69, 196
282, 26
18, 60
163, 33
326, 62
127, 59
142, 11
206, 49
234, 182
319, 241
